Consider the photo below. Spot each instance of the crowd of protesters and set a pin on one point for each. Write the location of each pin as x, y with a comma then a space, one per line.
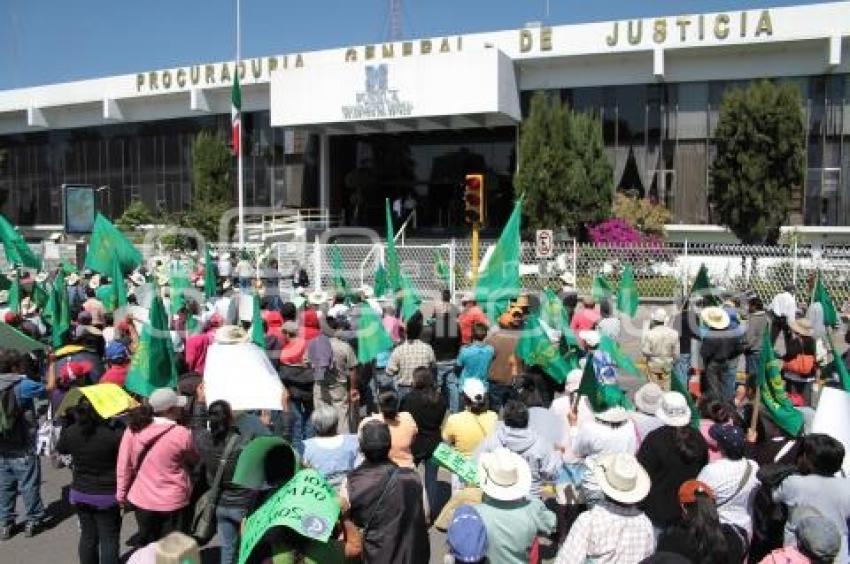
626, 478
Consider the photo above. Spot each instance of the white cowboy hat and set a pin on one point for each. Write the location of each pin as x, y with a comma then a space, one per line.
317, 298
4, 297
674, 410
226, 284
616, 414
660, 315
648, 398
137, 278
40, 277
715, 317
72, 279
568, 278
27, 306
504, 475
590, 338
94, 283
621, 477
230, 335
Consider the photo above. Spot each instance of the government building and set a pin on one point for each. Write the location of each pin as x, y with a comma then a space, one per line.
342, 129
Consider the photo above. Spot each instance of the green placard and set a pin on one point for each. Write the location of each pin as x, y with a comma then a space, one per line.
456, 463
306, 504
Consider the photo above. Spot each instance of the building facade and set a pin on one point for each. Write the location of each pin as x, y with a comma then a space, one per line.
343, 129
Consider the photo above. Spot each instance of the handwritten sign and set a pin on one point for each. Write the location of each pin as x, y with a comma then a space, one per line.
108, 399
306, 504
456, 463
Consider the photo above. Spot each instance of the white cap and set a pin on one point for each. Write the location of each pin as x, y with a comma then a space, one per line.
163, 399
660, 315
473, 388
590, 338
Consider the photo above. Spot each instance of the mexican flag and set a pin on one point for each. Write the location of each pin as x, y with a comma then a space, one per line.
236, 113
776, 404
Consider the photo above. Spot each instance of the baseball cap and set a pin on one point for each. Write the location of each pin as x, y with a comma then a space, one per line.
816, 535
690, 488
473, 388
467, 535
163, 399
730, 438
116, 351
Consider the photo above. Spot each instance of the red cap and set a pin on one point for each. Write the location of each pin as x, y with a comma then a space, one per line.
689, 490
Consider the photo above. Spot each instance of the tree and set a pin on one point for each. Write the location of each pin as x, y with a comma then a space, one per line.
212, 193
563, 170
136, 214
641, 213
759, 160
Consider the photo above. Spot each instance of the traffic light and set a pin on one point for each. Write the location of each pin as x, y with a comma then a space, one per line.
473, 198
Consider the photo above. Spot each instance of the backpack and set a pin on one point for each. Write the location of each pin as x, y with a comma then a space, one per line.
10, 409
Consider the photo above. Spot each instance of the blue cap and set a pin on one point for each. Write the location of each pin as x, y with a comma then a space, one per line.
116, 350
467, 535
730, 438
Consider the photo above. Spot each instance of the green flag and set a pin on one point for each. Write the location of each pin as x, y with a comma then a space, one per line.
340, 284
601, 289
382, 284
627, 296
258, 336
68, 268
209, 274
179, 282
621, 359
554, 314
117, 285
442, 269
821, 296
677, 386
776, 404
15, 295
840, 367
702, 287
40, 297
535, 349
410, 300
393, 266
372, 338
106, 243
16, 249
589, 386
153, 365
57, 313
500, 282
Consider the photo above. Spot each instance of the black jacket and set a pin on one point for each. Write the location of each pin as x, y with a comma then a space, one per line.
428, 415
720, 346
211, 454
95, 457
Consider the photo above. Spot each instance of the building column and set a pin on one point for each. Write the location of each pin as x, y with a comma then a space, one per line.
324, 172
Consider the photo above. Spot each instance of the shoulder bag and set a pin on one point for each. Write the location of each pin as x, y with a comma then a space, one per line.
391, 479
203, 519
744, 479
145, 450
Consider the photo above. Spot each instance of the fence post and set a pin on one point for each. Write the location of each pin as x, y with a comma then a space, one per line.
795, 265
685, 268
452, 265
317, 264
575, 262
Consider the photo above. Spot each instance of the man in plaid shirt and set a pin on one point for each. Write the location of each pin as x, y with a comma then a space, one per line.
410, 355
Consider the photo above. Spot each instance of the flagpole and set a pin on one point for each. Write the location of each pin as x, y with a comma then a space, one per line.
240, 186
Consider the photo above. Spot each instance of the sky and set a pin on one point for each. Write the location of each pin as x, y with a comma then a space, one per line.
47, 41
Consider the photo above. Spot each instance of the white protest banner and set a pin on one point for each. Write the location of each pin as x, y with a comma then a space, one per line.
242, 375
306, 504
833, 418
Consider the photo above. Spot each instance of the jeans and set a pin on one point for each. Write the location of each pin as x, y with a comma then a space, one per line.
228, 521
20, 473
730, 378
752, 360
498, 395
447, 382
428, 470
153, 525
682, 368
100, 530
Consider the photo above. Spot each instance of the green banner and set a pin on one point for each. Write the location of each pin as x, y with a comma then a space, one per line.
306, 504
456, 463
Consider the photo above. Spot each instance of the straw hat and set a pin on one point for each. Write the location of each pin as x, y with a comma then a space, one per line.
72, 279
621, 477
522, 301
41, 277
94, 283
715, 317
230, 335
674, 410
317, 298
648, 398
802, 327
504, 475
590, 338
660, 315
226, 285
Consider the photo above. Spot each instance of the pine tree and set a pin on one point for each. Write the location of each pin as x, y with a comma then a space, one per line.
759, 160
564, 172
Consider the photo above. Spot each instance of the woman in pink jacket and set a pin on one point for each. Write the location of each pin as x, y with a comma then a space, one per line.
154, 459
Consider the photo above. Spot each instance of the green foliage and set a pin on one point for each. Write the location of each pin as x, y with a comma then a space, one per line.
646, 217
211, 167
136, 214
564, 172
759, 140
